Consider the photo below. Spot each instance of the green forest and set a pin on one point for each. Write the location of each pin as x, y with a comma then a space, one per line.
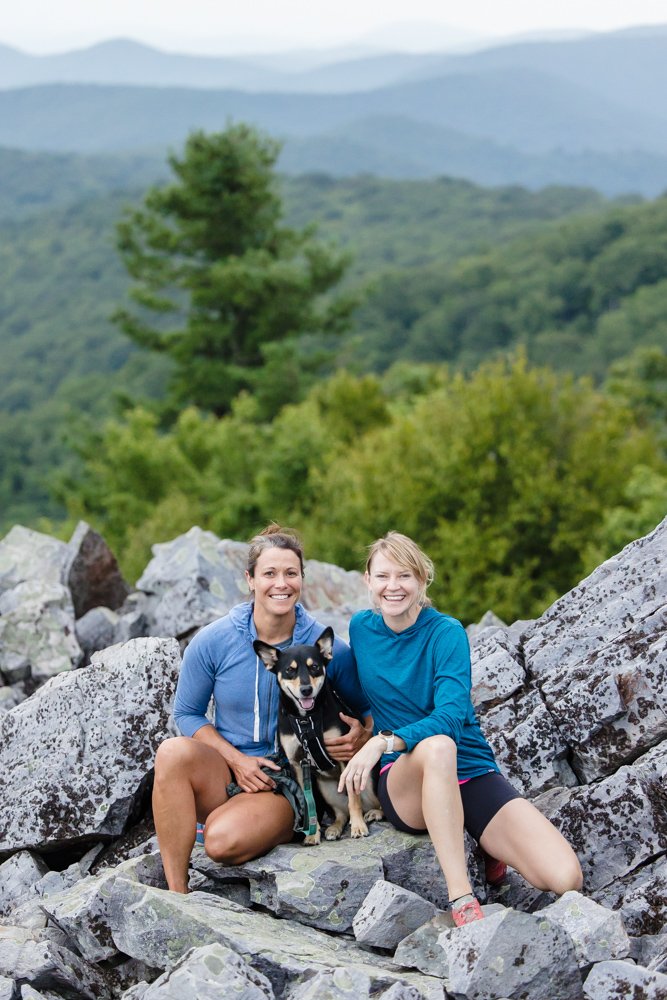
206, 342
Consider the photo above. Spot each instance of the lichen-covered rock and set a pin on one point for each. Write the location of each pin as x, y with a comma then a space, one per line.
207, 973
28, 958
101, 627
37, 634
159, 927
197, 577
616, 824
645, 890
388, 914
329, 588
30, 555
625, 589
623, 980
76, 756
91, 572
511, 955
613, 704
528, 745
598, 934
497, 666
17, 876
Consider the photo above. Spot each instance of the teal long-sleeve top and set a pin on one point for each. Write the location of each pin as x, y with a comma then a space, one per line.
418, 684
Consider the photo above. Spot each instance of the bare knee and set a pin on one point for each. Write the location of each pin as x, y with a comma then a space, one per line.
438, 752
225, 845
568, 877
172, 754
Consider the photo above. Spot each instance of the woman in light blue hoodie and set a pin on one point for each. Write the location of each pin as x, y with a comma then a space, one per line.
228, 775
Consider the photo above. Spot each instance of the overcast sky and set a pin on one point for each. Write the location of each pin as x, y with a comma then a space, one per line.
218, 26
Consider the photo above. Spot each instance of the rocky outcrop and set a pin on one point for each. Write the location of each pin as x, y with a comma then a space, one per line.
573, 704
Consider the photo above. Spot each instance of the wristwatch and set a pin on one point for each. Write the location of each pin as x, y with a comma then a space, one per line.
388, 737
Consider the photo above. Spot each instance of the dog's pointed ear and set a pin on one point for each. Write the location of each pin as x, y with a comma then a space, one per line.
325, 643
267, 654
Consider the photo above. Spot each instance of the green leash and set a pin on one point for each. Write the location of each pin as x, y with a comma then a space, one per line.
310, 800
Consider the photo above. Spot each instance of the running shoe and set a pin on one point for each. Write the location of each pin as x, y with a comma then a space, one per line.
465, 910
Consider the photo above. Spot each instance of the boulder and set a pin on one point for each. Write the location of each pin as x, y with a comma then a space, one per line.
328, 588
37, 634
75, 758
617, 824
18, 875
511, 955
91, 572
27, 958
622, 979
388, 914
497, 666
598, 933
30, 555
626, 589
7, 988
207, 973
101, 627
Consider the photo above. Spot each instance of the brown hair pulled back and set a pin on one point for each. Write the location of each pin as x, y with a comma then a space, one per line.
273, 537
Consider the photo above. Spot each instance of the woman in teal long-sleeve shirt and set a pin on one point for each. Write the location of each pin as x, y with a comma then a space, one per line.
437, 770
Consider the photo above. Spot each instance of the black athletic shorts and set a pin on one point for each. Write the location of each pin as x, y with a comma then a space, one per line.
482, 797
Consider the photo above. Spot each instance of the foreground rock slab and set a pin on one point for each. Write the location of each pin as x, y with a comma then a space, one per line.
76, 756
623, 980
598, 934
208, 973
388, 914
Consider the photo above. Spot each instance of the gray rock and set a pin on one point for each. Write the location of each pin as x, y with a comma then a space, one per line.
197, 578
76, 756
82, 910
159, 927
101, 627
650, 950
613, 704
489, 620
622, 979
497, 666
6, 988
645, 890
528, 745
511, 955
11, 696
616, 824
30, 993
325, 885
598, 933
30, 555
28, 958
91, 572
17, 876
37, 636
322, 886
328, 588
388, 914
623, 590
422, 949
207, 973
334, 984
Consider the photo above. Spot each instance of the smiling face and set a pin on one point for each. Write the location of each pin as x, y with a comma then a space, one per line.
276, 584
396, 591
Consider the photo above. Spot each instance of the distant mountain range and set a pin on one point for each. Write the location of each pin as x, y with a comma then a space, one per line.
583, 111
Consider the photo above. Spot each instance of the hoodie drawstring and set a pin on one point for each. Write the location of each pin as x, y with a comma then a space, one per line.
255, 732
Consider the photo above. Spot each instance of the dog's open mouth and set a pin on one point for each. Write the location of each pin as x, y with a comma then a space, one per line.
306, 703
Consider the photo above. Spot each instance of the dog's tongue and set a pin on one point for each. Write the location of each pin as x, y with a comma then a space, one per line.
307, 704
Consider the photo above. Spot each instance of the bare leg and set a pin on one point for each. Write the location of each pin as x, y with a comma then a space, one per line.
248, 825
424, 790
522, 837
190, 782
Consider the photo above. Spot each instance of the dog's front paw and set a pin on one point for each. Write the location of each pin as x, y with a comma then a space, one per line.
333, 832
312, 840
373, 814
358, 830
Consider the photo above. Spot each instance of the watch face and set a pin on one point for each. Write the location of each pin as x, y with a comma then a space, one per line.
386, 732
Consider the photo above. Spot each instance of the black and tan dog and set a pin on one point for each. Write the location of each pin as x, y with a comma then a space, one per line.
309, 713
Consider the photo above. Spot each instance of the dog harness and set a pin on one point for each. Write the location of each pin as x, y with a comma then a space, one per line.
310, 737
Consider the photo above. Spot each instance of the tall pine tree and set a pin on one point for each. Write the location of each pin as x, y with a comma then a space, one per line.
221, 284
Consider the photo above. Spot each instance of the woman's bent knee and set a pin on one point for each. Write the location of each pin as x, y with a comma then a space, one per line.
225, 846
173, 752
569, 877
437, 751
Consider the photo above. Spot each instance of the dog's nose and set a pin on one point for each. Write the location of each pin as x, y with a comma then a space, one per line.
306, 690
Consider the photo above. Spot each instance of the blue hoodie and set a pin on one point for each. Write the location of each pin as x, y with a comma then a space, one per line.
221, 662
418, 683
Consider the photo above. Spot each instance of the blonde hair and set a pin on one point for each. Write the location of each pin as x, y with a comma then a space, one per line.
406, 553
273, 537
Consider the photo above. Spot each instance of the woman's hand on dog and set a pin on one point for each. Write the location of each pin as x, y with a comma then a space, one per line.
357, 772
343, 748
249, 775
